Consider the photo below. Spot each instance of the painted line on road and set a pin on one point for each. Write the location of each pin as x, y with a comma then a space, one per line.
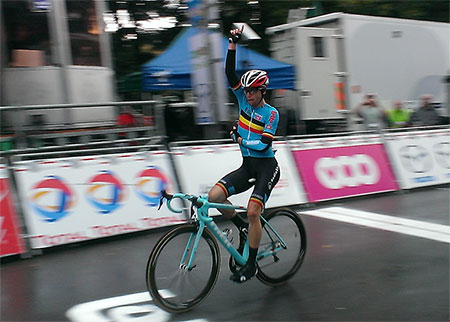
411, 227
126, 308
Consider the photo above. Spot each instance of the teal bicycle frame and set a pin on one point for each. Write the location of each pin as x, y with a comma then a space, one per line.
203, 205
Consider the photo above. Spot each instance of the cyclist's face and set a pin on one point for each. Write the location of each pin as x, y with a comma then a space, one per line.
253, 96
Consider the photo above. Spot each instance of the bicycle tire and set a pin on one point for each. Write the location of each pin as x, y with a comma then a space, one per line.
276, 270
165, 273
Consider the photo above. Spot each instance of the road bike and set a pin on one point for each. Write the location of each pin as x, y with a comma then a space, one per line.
184, 265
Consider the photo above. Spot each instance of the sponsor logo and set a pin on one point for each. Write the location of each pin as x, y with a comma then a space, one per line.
257, 117
149, 184
273, 115
52, 198
270, 184
347, 171
106, 192
415, 158
442, 154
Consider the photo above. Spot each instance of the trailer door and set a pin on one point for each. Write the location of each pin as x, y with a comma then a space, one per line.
321, 81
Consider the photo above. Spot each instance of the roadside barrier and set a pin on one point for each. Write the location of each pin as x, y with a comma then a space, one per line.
201, 166
71, 199
75, 195
339, 167
420, 158
11, 237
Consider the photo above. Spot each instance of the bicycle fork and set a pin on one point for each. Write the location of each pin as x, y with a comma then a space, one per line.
191, 247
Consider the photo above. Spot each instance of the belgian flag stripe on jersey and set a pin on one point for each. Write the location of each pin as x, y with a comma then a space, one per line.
237, 86
254, 126
268, 135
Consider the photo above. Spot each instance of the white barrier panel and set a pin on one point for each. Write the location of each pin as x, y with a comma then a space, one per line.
200, 167
420, 158
341, 167
76, 199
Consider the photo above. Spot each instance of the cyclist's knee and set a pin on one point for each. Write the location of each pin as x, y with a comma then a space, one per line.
254, 209
216, 194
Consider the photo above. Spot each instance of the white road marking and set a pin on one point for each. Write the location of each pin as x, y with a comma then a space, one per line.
127, 308
411, 227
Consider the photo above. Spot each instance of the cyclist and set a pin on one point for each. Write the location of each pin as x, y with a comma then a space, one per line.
254, 133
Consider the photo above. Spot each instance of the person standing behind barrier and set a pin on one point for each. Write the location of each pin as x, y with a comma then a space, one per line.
398, 116
374, 116
426, 115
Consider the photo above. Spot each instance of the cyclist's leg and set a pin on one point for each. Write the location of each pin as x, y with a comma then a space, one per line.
254, 210
267, 175
233, 183
217, 194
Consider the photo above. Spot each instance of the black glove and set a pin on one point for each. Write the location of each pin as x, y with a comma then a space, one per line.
234, 133
235, 38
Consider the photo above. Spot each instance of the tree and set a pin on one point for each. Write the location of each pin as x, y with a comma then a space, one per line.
130, 54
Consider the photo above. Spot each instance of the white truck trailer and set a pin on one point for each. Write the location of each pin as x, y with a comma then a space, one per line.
340, 57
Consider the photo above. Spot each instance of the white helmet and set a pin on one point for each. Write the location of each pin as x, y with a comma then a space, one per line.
255, 78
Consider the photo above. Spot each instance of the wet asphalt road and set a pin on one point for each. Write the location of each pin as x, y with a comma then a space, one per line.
351, 273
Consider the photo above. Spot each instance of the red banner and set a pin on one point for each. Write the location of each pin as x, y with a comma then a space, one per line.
10, 241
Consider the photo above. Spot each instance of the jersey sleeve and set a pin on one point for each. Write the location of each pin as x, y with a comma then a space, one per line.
239, 93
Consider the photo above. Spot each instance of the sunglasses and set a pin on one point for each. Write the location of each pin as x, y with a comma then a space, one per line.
250, 90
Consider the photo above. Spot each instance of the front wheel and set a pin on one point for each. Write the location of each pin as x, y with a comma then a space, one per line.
278, 262
173, 286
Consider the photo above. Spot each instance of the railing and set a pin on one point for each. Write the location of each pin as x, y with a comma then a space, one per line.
40, 135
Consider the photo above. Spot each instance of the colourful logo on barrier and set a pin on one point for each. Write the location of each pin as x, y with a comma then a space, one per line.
149, 184
52, 198
106, 192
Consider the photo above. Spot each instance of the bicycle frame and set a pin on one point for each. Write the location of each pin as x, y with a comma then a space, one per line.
205, 220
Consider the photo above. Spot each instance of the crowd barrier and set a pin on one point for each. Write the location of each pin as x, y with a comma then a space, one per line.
420, 158
105, 192
332, 168
11, 237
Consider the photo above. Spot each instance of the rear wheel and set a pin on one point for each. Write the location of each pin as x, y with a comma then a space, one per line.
173, 286
277, 263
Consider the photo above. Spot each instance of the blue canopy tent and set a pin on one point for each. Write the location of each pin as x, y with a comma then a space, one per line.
172, 69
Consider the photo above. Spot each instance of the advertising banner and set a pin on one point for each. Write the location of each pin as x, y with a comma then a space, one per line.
76, 199
201, 167
420, 158
336, 168
11, 242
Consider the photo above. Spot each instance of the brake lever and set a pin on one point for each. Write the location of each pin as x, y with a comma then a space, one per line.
164, 195
195, 202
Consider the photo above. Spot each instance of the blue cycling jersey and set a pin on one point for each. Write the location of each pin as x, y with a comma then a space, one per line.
257, 127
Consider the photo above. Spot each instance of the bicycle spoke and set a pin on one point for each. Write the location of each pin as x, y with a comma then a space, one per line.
277, 260
187, 287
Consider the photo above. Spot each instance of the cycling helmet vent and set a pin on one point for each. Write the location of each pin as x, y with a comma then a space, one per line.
255, 78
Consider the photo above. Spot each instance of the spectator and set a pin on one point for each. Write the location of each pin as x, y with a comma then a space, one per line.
398, 116
373, 115
426, 115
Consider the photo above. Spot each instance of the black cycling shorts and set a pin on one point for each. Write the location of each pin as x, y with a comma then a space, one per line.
264, 170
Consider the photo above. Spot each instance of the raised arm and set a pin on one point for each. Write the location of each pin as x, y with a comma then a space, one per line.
230, 64
230, 67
